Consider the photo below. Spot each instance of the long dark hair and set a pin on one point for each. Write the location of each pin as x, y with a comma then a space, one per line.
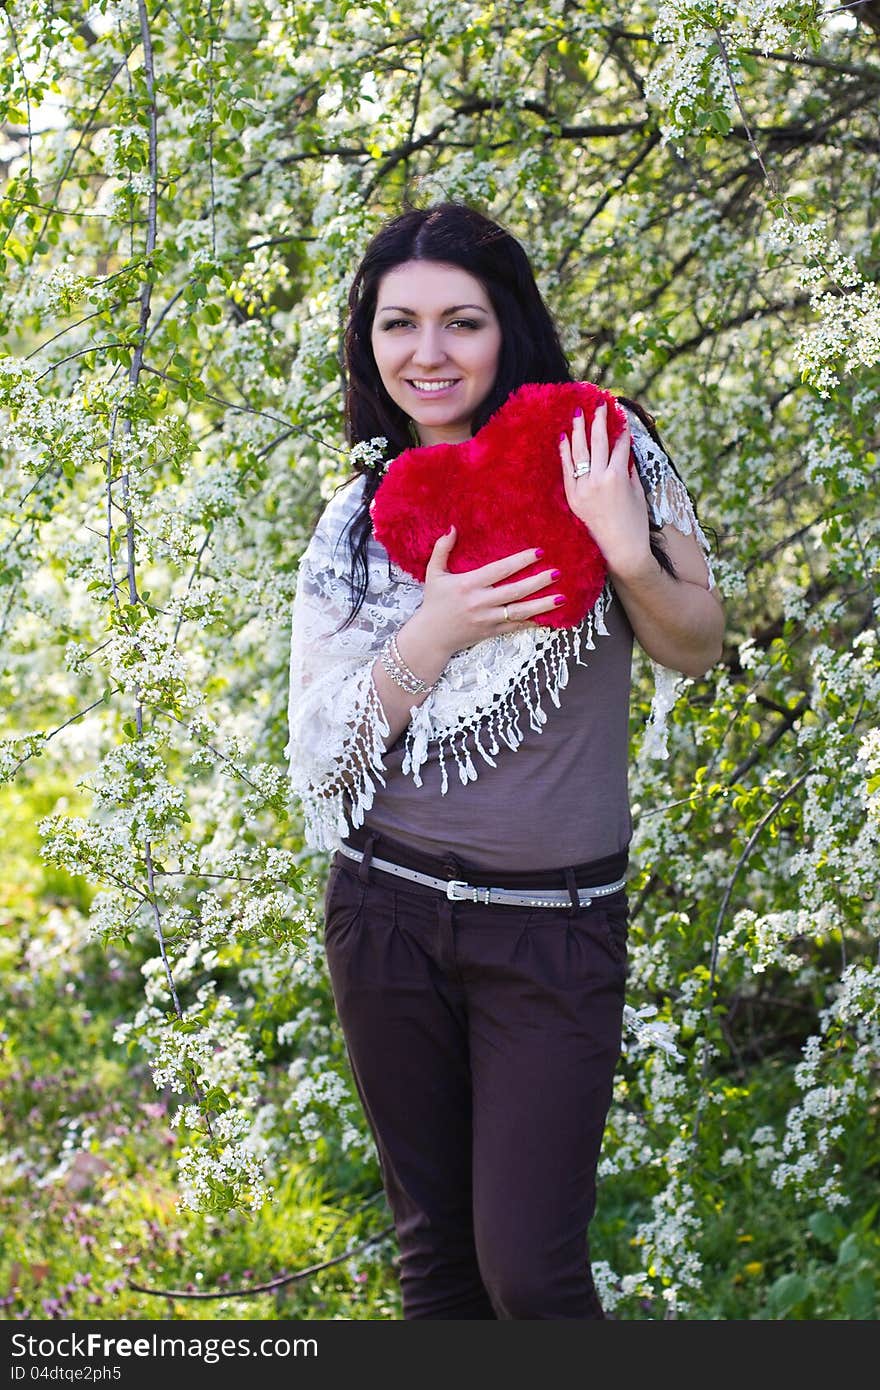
452, 234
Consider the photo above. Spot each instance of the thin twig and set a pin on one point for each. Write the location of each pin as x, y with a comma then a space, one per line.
725, 58
27, 99
72, 720
76, 149
120, 303
272, 1284
722, 912
290, 425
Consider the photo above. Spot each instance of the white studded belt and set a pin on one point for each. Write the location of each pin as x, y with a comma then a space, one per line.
458, 891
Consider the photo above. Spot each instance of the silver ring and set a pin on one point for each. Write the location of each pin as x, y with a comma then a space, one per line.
581, 469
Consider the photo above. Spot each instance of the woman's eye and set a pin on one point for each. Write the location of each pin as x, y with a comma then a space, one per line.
407, 323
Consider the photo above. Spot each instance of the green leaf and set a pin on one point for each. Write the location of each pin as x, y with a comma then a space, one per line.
216, 1099
850, 1250
788, 1292
824, 1227
860, 1298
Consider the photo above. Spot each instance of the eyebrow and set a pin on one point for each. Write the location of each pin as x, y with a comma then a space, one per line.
453, 309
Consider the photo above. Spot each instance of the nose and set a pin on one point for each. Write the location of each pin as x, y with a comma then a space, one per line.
428, 351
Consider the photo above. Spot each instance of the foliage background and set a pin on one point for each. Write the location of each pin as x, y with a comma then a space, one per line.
187, 188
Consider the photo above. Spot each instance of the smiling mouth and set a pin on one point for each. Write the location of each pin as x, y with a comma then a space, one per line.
432, 386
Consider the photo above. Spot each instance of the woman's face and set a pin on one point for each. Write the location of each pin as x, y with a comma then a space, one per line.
436, 341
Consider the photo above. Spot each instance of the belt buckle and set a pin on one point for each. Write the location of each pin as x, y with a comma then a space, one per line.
460, 892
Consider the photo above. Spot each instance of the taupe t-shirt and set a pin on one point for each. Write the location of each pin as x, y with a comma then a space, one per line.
559, 798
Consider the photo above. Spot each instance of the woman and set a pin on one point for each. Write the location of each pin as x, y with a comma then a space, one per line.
482, 1027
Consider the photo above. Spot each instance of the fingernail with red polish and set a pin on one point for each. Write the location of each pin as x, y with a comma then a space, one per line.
554, 574
578, 412
538, 553
562, 436
560, 598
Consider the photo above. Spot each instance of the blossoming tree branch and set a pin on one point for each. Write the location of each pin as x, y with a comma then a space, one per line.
186, 189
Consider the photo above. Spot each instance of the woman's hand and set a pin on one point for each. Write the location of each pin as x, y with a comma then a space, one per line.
606, 496
457, 611
679, 622
464, 608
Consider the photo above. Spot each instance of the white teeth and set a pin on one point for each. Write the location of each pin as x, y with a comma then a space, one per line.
432, 385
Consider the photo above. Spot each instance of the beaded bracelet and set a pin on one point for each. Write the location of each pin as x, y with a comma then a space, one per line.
398, 674
398, 670
395, 666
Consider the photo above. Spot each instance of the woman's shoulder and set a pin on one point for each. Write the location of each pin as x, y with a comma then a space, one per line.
341, 506
326, 542
345, 497
641, 421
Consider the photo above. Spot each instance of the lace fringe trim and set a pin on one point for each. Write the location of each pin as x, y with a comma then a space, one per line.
666, 690
482, 730
359, 767
672, 506
498, 720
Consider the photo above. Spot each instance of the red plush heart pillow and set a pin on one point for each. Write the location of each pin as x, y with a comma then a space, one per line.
503, 490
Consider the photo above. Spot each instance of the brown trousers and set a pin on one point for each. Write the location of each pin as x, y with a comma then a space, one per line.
483, 1042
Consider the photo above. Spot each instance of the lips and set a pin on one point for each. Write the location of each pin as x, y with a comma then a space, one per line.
426, 386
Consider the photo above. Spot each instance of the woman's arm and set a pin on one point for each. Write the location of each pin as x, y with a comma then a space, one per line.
678, 621
344, 710
458, 610
425, 658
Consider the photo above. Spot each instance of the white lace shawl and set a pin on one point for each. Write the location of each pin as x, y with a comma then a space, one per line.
336, 724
